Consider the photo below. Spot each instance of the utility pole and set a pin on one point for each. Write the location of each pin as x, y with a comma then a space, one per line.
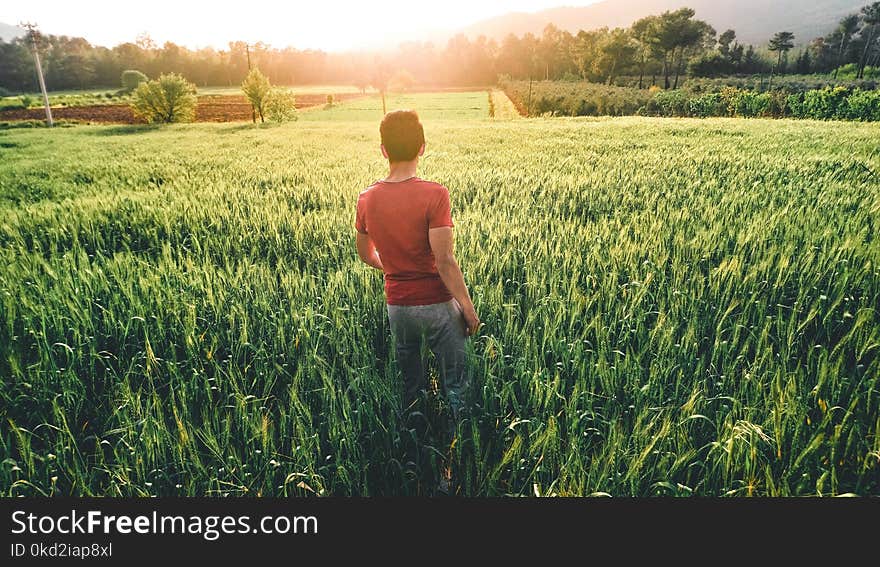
32, 31
247, 49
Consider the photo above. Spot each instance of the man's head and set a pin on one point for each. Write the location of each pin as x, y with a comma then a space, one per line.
403, 138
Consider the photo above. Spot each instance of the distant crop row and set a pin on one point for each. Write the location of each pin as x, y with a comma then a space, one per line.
837, 103
763, 82
587, 99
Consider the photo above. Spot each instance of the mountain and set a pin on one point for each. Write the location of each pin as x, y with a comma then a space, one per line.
755, 21
8, 33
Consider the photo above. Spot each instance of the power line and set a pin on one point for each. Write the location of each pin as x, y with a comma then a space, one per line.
32, 31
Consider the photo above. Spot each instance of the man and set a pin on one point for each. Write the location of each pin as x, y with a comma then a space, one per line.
404, 228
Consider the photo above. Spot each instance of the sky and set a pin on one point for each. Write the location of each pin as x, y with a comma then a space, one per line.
330, 25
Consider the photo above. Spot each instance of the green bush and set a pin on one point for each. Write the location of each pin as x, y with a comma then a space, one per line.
826, 104
749, 104
280, 105
672, 103
706, 106
794, 105
131, 79
584, 107
170, 98
863, 106
777, 104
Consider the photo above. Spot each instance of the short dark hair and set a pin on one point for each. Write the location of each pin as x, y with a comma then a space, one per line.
402, 135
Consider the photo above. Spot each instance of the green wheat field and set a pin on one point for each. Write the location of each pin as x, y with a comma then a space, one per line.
672, 307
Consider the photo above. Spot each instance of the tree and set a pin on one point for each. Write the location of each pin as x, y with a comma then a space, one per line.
549, 48
823, 54
871, 20
615, 51
710, 65
379, 80
846, 29
170, 98
16, 67
402, 81
674, 34
585, 51
696, 34
132, 78
361, 82
781, 43
256, 87
643, 34
804, 63
726, 43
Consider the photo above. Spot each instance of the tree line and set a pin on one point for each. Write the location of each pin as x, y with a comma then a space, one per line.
656, 50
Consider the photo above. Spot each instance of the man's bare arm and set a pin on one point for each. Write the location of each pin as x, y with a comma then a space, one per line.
367, 251
442, 242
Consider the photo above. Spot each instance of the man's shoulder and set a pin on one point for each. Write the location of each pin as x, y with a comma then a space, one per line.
367, 191
432, 186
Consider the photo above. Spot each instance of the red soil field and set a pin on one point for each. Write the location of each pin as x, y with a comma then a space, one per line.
217, 108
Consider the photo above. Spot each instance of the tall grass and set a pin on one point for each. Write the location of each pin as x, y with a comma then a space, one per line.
671, 307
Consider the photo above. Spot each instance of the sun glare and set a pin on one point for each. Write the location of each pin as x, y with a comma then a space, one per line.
330, 26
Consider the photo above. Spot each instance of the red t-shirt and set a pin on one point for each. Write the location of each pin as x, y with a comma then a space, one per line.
397, 216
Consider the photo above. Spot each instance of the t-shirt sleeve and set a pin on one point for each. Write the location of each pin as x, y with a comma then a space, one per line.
360, 222
440, 213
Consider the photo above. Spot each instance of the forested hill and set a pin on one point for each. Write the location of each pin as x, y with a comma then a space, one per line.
755, 21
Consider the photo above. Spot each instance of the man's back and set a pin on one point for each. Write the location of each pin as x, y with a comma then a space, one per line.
397, 216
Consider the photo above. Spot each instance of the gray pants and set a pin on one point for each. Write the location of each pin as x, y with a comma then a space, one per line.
442, 325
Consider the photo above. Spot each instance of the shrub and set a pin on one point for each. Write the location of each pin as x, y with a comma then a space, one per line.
748, 104
863, 105
671, 103
170, 98
777, 103
280, 105
27, 101
795, 105
826, 104
706, 106
584, 107
131, 79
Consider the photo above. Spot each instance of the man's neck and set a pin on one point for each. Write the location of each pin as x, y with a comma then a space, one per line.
402, 170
